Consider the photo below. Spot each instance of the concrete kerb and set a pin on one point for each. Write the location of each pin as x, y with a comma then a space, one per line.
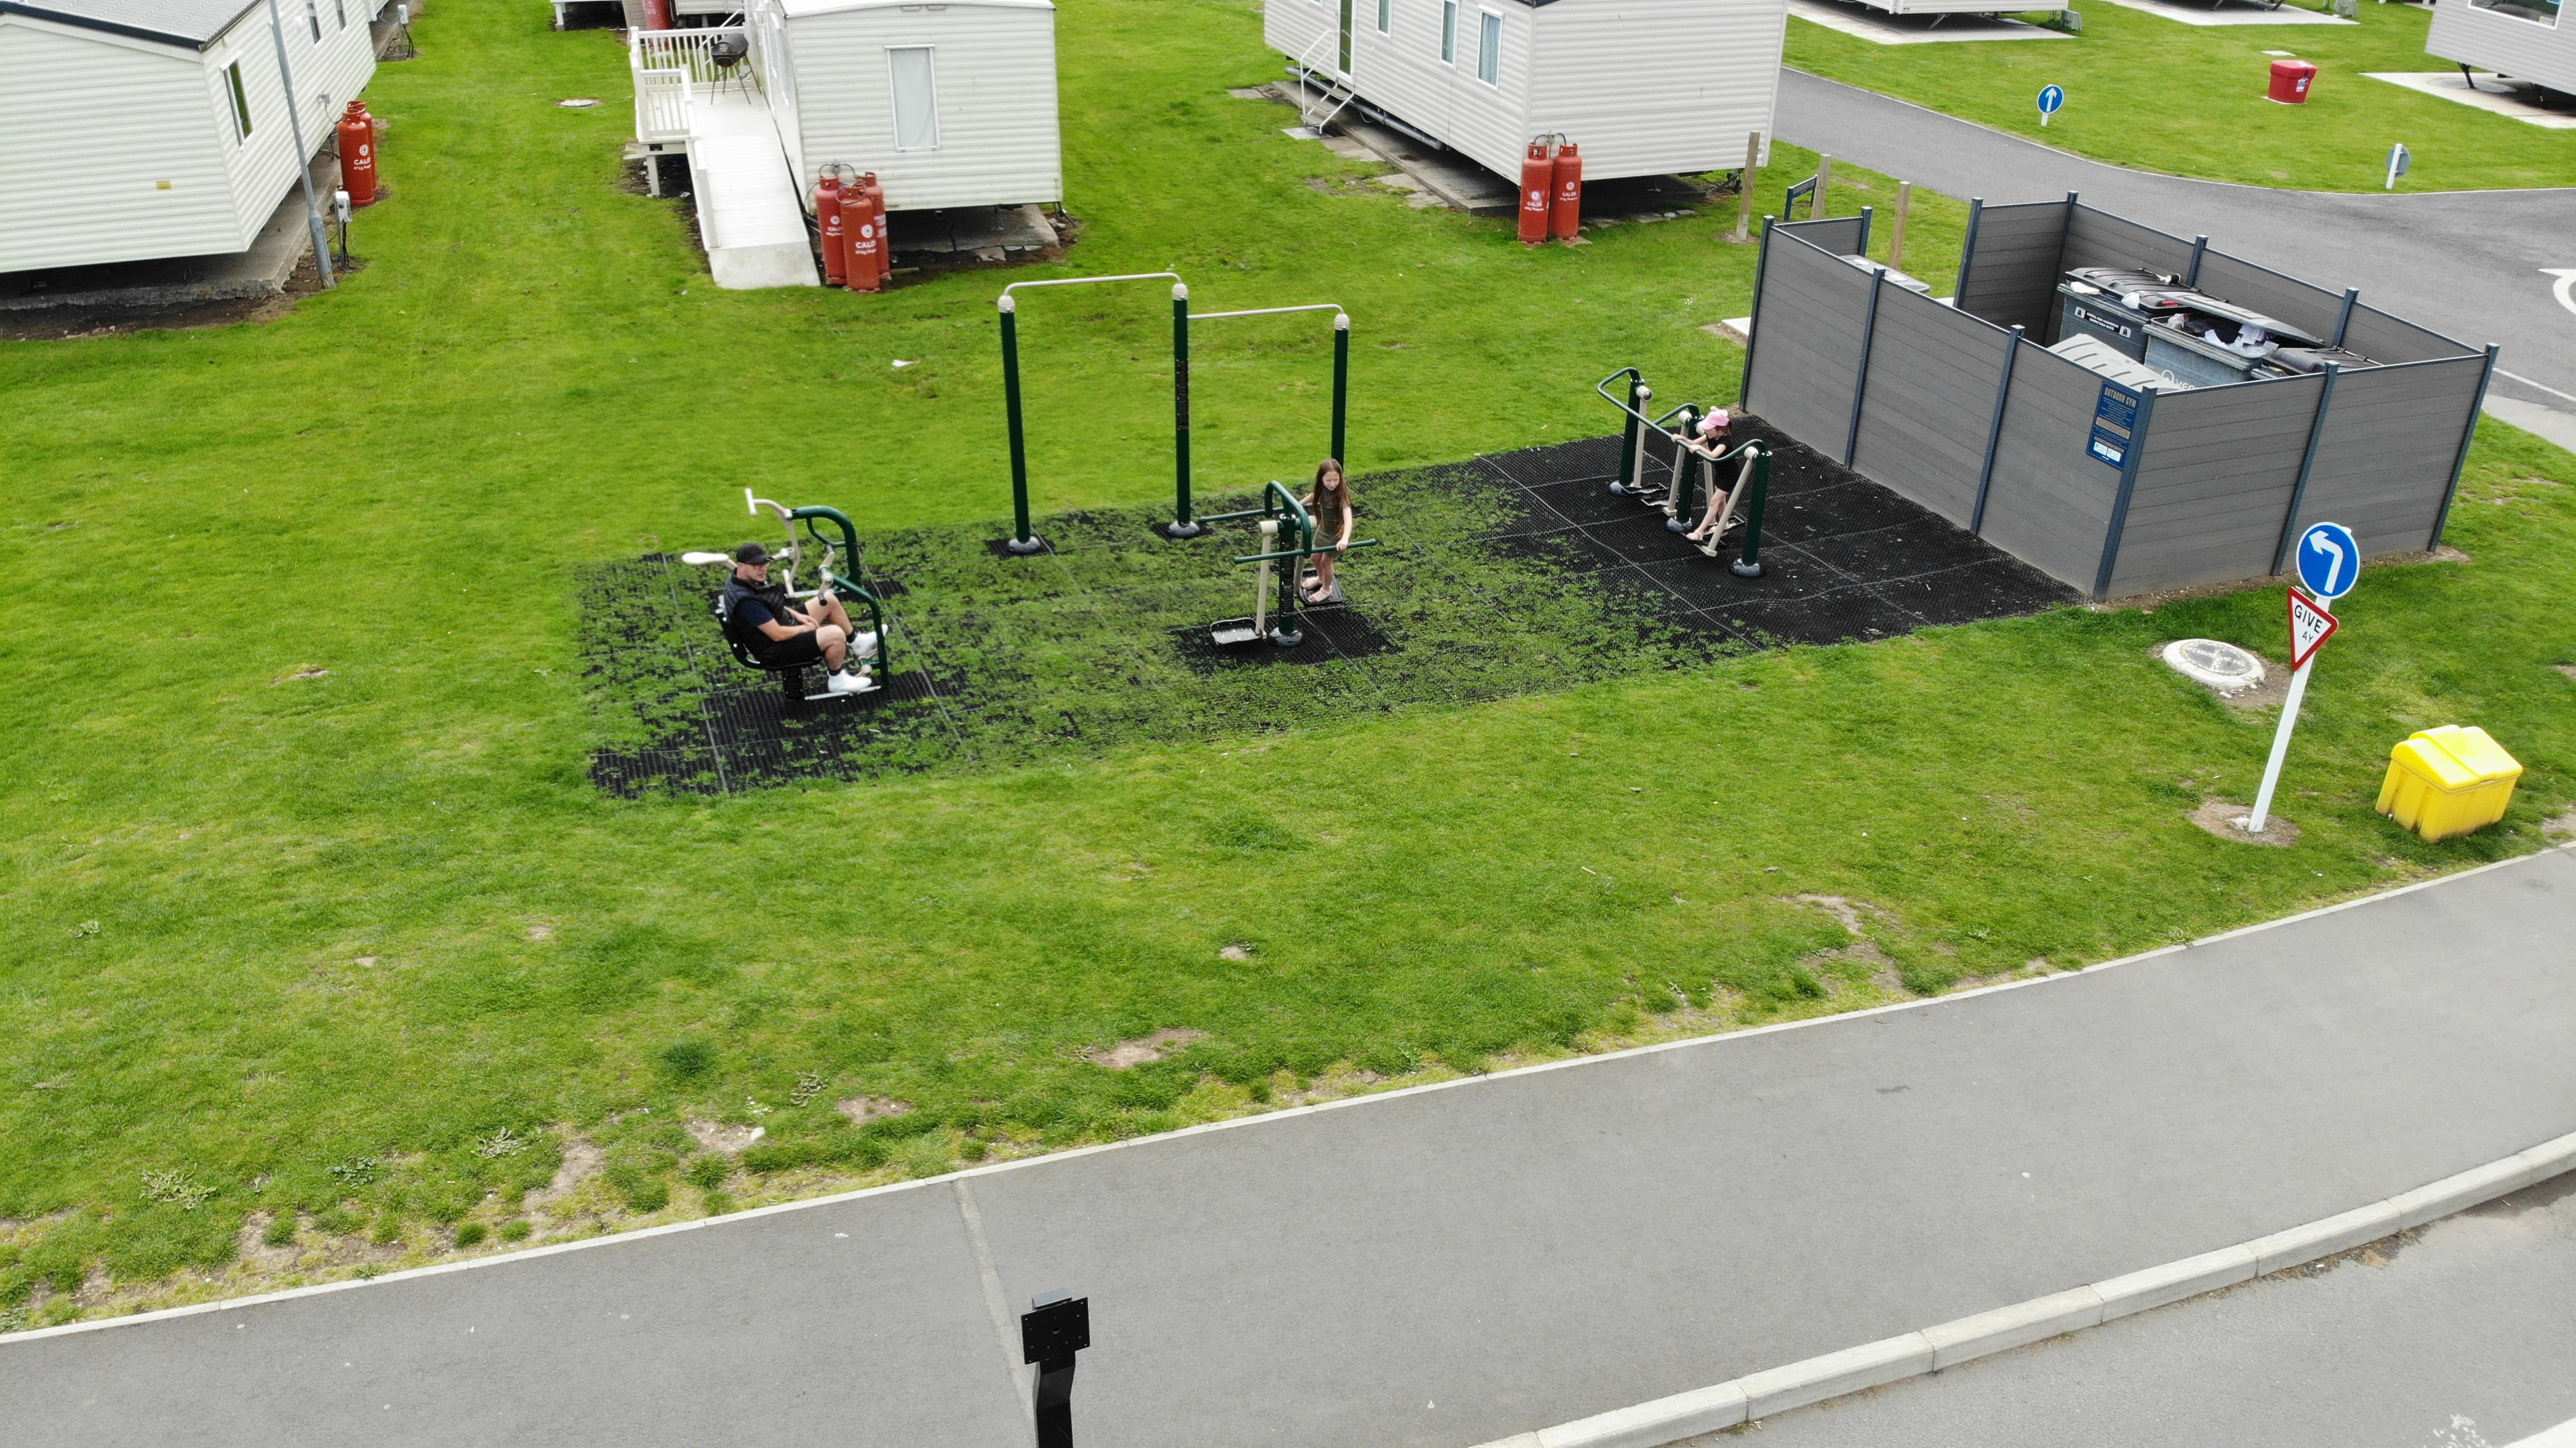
1706, 1410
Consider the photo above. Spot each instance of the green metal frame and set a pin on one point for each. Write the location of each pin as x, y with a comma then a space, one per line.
1278, 502
1023, 539
830, 582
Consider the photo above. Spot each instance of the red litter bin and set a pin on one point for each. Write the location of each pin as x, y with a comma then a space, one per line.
2290, 79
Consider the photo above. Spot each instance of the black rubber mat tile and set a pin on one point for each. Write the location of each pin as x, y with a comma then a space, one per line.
1927, 545
1845, 508
1851, 615
1644, 538
1567, 549
1325, 634
1788, 572
1994, 588
1583, 458
1588, 502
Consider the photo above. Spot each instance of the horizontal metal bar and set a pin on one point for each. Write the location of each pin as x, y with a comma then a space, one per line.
1080, 281
1305, 552
1268, 311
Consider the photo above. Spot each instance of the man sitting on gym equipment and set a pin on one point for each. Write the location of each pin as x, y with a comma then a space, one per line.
781, 635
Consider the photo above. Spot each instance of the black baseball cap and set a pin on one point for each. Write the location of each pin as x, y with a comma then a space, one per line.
751, 553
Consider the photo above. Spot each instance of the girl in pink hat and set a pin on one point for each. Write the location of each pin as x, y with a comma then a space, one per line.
1711, 446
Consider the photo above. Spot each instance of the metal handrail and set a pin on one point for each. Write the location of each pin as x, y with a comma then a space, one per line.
1334, 307
1082, 281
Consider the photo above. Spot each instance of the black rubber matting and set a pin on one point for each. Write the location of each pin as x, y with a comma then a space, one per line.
1502, 575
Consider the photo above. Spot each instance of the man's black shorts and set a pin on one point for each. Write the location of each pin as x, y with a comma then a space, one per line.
780, 653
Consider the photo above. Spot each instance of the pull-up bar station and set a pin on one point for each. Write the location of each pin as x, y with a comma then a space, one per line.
1023, 539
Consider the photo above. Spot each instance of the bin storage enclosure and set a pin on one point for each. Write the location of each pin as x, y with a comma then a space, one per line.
951, 104
2524, 39
1961, 407
1644, 87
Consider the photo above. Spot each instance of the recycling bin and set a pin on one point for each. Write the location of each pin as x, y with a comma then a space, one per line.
2448, 781
2290, 81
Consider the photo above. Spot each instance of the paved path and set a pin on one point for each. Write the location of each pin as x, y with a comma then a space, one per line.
1447, 1266
2466, 264
2464, 1338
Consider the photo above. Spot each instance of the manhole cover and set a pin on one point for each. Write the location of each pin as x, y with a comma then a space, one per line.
2219, 665
577, 103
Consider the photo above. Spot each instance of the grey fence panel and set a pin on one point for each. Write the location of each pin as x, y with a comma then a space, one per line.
1837, 234
2214, 484
1930, 397
1807, 327
2050, 503
2011, 279
2309, 308
2384, 461
2097, 238
2383, 338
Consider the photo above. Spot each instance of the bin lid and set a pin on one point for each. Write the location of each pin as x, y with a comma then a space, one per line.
2452, 757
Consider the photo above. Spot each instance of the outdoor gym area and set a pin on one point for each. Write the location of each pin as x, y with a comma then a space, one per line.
412, 870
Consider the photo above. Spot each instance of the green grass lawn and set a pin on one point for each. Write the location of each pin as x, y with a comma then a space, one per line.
2159, 95
318, 972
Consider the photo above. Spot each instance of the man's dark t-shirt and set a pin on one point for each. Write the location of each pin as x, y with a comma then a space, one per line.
749, 605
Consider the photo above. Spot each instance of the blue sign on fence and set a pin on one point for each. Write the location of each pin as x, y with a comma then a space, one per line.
2115, 418
2329, 560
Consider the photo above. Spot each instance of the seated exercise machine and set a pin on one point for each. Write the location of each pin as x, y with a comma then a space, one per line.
836, 572
1682, 496
1279, 512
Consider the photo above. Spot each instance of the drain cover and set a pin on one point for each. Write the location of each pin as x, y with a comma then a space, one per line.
2221, 666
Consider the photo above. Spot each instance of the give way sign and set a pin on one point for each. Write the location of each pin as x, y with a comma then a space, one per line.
2310, 627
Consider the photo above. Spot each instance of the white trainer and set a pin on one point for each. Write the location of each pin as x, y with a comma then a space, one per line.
851, 682
863, 645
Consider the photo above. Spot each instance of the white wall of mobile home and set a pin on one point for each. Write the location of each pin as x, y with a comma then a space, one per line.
2525, 39
1644, 87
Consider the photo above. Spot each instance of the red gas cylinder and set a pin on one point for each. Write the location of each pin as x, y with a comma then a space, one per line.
657, 14
1565, 215
358, 154
1538, 183
2290, 80
827, 214
863, 228
885, 225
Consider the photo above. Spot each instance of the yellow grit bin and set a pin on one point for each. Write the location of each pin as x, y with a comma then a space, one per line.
2448, 781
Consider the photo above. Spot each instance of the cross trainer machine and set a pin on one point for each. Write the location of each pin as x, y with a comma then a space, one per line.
836, 572
1673, 496
1279, 513
1183, 525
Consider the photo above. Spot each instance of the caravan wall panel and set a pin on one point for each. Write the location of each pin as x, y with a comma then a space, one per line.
2097, 238
2214, 484
2383, 338
2312, 309
1806, 343
994, 70
2385, 455
1929, 401
114, 119
2491, 40
2050, 503
1654, 87
2010, 279
1402, 73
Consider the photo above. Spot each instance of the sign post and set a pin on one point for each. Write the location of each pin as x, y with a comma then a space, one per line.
2051, 101
2400, 161
2329, 564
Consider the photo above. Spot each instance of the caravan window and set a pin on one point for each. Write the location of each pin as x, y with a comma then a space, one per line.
916, 97
1385, 16
2543, 11
1489, 50
313, 17
1449, 31
341, 8
241, 101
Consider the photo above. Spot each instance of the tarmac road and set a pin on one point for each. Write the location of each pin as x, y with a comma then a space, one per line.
1448, 1266
2468, 264
2463, 1337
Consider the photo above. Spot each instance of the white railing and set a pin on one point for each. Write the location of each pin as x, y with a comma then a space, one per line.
693, 51
664, 96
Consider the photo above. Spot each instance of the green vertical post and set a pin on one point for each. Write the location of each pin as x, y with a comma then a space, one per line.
1022, 540
1341, 388
1182, 525
1750, 565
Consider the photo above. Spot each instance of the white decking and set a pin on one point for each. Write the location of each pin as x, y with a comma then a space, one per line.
748, 212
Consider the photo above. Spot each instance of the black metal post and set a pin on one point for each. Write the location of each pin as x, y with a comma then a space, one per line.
1628, 432
2199, 249
1868, 215
2307, 465
1750, 565
1968, 252
1051, 1332
2468, 435
1022, 540
1860, 382
2136, 451
1341, 388
1994, 433
2343, 322
1182, 526
1761, 266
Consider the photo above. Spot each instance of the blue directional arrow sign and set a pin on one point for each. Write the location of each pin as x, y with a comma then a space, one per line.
2051, 101
2329, 560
